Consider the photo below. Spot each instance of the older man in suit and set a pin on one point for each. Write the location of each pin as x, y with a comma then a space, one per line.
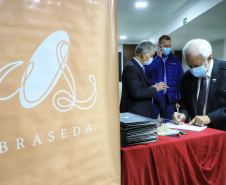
203, 87
137, 93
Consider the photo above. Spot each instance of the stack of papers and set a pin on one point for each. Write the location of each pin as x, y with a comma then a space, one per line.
136, 129
186, 127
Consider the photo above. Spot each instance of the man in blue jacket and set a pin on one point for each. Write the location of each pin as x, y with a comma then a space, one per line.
167, 68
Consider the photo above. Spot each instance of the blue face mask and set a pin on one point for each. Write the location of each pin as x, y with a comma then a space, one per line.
166, 51
199, 71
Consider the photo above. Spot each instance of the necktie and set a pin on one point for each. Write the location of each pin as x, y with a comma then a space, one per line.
202, 96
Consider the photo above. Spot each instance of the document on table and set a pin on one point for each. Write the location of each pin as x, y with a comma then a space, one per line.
186, 127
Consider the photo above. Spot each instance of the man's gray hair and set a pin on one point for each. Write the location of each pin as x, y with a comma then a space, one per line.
197, 46
145, 46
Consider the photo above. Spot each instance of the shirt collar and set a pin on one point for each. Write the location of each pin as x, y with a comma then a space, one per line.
210, 68
138, 62
164, 59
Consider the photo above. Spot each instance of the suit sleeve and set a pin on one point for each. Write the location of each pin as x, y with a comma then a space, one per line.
137, 88
217, 113
218, 118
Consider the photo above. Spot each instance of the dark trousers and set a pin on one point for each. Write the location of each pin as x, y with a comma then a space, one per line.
164, 108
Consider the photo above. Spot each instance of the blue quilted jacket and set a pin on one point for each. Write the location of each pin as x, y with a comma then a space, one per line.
174, 71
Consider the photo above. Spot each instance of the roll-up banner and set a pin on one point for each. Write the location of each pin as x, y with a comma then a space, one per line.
59, 111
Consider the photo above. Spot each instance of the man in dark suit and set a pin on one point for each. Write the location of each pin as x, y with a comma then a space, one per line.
137, 93
203, 87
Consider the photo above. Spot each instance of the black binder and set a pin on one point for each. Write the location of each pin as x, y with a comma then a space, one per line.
136, 129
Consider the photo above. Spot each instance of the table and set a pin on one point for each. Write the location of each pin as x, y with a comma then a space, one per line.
198, 158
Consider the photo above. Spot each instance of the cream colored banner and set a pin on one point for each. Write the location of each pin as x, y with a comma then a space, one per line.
59, 117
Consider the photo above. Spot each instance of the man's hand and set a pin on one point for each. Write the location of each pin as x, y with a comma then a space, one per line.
160, 86
177, 105
200, 121
179, 117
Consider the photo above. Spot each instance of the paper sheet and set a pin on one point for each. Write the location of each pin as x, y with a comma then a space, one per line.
186, 127
164, 130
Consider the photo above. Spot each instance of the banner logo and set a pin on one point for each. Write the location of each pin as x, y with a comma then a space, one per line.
44, 70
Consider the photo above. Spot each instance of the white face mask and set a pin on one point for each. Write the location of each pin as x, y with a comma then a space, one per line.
148, 62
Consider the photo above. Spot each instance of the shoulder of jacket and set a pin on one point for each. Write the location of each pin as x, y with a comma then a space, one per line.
221, 62
172, 56
130, 63
156, 58
187, 75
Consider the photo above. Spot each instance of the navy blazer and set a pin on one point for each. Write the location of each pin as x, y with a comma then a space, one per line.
136, 91
216, 104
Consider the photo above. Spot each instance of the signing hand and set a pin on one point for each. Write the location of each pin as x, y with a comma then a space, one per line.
179, 117
160, 86
200, 121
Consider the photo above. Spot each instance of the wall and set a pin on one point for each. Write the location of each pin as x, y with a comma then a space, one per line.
218, 49
224, 58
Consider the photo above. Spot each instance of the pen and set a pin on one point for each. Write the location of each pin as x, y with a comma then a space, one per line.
178, 114
182, 132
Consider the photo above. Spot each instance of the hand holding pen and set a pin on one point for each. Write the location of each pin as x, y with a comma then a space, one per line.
178, 117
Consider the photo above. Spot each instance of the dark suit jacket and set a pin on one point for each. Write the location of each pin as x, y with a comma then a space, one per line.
216, 104
136, 91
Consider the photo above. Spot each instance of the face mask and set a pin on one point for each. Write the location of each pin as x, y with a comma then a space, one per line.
199, 71
148, 62
166, 51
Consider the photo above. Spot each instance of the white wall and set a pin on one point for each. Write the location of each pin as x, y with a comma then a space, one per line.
218, 49
224, 56
120, 48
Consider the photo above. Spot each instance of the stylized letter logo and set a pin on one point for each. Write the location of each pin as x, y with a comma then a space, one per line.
45, 68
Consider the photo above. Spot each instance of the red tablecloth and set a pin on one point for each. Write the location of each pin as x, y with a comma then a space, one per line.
198, 158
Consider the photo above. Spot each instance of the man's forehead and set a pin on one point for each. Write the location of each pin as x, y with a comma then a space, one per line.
164, 41
194, 59
192, 56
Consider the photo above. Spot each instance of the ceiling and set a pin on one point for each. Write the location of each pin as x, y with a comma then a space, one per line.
205, 20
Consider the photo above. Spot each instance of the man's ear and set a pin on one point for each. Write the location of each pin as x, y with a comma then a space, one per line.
143, 54
210, 57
